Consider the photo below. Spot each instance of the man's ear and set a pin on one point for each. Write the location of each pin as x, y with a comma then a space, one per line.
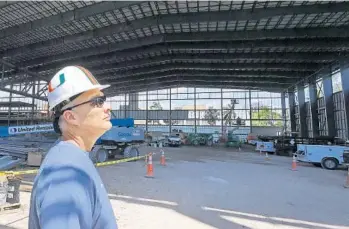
70, 117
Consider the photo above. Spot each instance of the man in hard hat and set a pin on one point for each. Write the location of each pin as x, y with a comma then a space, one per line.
68, 191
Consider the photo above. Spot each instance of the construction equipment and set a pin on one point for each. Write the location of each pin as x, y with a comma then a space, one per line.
121, 140
265, 147
197, 139
287, 145
213, 139
233, 140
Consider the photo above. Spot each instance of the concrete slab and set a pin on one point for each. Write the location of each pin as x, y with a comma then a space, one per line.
206, 188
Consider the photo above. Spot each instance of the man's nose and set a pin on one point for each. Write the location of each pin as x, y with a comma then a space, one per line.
106, 107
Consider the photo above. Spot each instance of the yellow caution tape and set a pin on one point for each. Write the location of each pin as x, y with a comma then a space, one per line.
119, 161
15, 173
34, 171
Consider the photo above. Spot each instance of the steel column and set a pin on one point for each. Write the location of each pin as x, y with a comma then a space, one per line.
10, 107
195, 129
170, 125
250, 102
302, 111
125, 113
344, 68
222, 111
283, 110
328, 96
33, 102
314, 108
291, 101
147, 111
3, 73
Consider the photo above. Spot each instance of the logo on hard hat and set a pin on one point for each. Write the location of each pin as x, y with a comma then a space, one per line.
61, 79
51, 87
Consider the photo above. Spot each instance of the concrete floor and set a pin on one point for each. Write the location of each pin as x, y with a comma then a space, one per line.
204, 188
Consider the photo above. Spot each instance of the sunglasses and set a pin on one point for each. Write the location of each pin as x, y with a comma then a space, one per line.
94, 102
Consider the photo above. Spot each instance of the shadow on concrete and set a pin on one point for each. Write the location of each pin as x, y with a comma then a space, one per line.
213, 217
214, 212
6, 227
209, 218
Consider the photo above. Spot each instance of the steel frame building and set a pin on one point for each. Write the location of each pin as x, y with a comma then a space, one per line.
295, 48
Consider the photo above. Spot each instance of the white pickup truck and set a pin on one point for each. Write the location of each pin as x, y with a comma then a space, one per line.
174, 140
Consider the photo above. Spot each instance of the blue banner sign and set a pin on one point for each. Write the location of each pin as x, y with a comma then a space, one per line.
13, 130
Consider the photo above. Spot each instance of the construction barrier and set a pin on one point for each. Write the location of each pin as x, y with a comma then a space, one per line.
267, 156
294, 163
16, 173
162, 158
150, 169
119, 161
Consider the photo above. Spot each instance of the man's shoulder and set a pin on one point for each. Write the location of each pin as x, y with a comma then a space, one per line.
66, 153
66, 160
66, 166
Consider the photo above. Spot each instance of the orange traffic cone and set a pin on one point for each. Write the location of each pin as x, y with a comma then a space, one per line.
294, 163
346, 185
162, 158
150, 171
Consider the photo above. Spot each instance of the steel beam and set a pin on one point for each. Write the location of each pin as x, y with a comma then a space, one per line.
197, 17
291, 101
328, 96
328, 32
281, 75
344, 69
4, 4
205, 83
18, 68
199, 71
143, 66
154, 43
23, 93
28, 74
112, 91
58, 19
182, 64
94, 61
203, 78
200, 36
157, 39
156, 85
314, 108
207, 67
294, 68
302, 111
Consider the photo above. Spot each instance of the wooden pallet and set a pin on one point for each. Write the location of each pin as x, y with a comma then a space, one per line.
8, 207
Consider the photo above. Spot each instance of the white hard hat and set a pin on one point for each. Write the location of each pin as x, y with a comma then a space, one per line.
69, 82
